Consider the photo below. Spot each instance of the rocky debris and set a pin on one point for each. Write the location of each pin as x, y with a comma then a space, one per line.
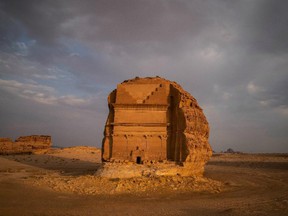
93, 185
130, 170
25, 144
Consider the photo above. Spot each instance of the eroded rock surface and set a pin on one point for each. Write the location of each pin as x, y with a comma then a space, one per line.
153, 120
25, 144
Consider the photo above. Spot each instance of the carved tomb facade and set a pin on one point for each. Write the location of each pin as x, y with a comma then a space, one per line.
153, 119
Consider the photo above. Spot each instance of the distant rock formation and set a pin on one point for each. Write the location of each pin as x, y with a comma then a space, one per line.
25, 144
231, 151
153, 120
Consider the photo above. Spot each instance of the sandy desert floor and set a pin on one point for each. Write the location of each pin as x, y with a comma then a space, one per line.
62, 182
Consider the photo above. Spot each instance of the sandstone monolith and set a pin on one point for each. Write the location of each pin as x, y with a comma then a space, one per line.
25, 144
155, 121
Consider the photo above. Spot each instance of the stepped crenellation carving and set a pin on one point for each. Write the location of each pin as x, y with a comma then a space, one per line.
152, 93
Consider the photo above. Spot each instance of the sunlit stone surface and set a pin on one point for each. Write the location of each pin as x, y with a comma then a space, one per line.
152, 121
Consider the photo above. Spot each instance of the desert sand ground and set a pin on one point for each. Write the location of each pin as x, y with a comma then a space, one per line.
62, 182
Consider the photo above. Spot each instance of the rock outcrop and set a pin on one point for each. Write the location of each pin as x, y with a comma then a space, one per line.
25, 144
153, 120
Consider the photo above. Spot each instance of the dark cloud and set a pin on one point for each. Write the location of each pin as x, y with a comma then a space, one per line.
131, 21
41, 19
269, 30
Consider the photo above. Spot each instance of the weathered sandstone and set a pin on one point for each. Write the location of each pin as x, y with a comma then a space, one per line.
151, 121
25, 144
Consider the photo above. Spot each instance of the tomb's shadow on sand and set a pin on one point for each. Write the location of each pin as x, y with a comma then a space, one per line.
65, 166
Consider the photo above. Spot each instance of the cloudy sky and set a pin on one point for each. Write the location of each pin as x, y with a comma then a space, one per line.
60, 59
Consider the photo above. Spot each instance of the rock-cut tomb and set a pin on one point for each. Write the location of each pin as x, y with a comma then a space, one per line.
154, 120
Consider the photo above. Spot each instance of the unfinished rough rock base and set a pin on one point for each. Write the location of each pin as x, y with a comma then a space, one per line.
153, 121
